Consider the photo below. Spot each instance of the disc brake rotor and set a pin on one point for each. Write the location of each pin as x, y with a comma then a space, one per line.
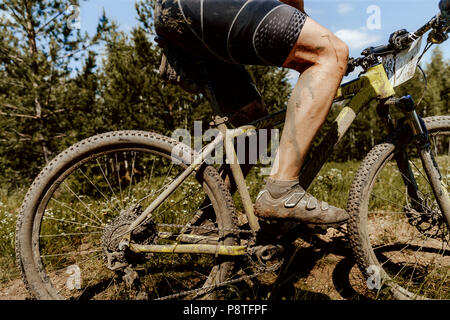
427, 218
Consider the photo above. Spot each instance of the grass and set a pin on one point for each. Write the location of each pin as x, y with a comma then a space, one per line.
331, 185
10, 202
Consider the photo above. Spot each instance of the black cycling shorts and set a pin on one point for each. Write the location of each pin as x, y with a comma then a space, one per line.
230, 34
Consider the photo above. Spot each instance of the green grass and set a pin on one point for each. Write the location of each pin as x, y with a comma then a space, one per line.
10, 202
331, 185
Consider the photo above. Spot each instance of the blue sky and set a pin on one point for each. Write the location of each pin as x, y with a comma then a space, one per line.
347, 19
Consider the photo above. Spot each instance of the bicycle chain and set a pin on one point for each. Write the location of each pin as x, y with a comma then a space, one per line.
203, 228
262, 269
211, 287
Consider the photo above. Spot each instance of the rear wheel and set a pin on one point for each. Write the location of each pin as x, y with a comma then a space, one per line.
78, 207
402, 241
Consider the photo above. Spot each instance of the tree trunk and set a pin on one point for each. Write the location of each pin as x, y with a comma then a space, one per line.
31, 35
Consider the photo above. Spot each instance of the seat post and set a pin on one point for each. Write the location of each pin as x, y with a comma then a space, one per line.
219, 120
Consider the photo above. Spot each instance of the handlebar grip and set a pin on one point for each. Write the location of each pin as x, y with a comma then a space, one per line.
444, 6
381, 49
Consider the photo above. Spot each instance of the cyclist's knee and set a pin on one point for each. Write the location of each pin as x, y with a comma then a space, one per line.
342, 54
330, 52
318, 46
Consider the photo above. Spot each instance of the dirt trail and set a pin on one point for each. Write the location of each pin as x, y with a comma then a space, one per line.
13, 290
320, 270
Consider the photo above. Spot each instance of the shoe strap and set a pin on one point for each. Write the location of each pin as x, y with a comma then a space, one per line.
312, 203
294, 199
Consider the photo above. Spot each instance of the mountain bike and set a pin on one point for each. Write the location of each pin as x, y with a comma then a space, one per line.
134, 214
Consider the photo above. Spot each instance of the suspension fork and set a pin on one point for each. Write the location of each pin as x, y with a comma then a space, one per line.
400, 156
421, 139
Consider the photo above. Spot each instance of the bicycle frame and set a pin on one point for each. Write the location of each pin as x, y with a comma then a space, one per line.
374, 84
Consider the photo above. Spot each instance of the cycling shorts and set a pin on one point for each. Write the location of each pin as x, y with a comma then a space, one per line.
231, 34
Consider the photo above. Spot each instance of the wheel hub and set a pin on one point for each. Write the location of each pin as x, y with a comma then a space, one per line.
428, 219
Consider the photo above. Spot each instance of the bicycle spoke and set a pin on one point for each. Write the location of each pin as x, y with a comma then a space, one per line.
67, 234
85, 205
117, 166
406, 178
106, 179
158, 212
75, 211
132, 174
384, 199
422, 174
90, 181
72, 222
157, 191
151, 172
68, 254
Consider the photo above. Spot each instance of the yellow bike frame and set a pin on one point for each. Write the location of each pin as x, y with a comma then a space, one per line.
372, 85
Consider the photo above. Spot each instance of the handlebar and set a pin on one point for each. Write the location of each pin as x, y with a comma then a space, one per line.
399, 41
402, 39
444, 6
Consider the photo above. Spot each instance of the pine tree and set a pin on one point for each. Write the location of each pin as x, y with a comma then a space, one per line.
435, 90
436, 98
40, 47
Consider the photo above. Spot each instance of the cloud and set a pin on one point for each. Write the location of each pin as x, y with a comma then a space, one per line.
344, 8
357, 38
293, 75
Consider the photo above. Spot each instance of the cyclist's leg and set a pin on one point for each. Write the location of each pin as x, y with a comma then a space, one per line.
321, 58
269, 33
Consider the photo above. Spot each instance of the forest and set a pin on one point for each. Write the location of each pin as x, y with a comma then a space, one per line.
58, 86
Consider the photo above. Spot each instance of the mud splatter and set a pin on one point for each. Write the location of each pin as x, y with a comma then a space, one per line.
332, 46
170, 18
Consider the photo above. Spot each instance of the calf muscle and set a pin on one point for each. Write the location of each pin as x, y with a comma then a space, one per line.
321, 59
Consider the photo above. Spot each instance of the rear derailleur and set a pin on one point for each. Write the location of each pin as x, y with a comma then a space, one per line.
123, 261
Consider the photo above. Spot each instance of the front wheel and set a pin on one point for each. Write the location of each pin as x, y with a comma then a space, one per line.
397, 231
79, 206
